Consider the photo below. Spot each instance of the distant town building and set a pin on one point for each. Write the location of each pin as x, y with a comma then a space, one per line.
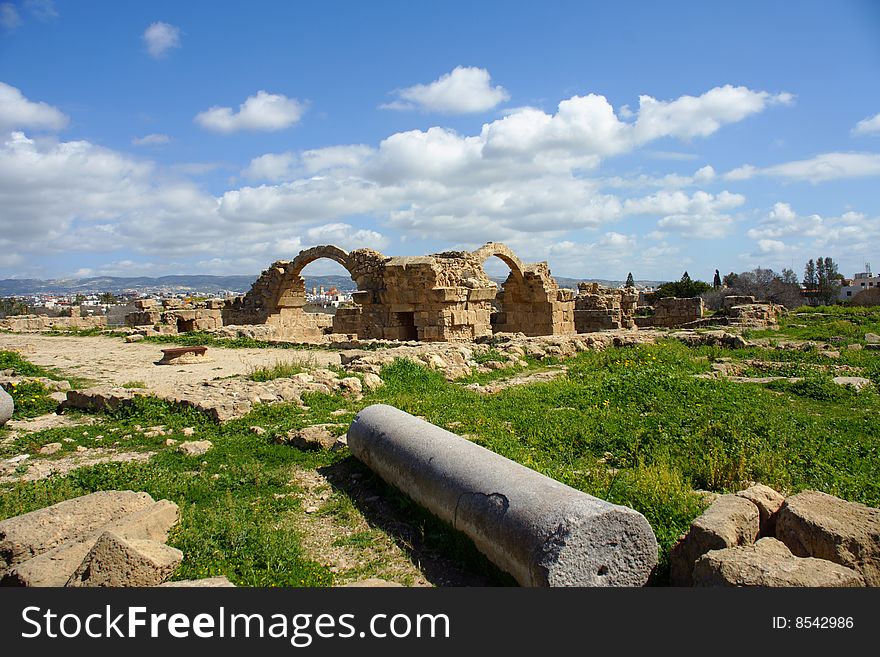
862, 281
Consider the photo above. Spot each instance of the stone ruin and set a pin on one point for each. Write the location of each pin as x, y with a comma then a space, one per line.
599, 308
758, 537
670, 312
36, 323
440, 297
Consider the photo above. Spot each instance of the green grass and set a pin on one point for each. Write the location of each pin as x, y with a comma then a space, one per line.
31, 400
12, 360
204, 338
283, 370
630, 425
821, 323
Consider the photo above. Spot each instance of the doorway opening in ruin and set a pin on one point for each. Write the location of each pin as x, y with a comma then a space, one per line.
325, 286
408, 330
508, 279
186, 325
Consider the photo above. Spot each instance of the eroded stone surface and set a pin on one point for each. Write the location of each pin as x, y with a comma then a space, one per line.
728, 522
117, 561
768, 502
769, 563
815, 524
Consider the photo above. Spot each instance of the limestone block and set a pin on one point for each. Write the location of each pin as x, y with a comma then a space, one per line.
116, 561
769, 563
729, 521
768, 502
815, 524
34, 533
55, 566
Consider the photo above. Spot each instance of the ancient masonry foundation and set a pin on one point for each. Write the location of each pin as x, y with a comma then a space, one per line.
441, 297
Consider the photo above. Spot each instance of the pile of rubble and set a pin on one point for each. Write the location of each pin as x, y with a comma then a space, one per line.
108, 538
756, 537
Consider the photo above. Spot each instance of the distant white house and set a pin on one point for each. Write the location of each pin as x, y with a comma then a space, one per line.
862, 281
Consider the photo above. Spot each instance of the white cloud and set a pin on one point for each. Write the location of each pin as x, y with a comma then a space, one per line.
465, 90
869, 126
701, 176
333, 157
824, 167
160, 38
850, 238
782, 221
271, 167
346, 236
16, 111
771, 246
154, 139
520, 179
9, 17
701, 116
264, 111
701, 215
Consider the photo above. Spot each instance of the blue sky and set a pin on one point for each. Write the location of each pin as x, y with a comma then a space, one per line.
216, 137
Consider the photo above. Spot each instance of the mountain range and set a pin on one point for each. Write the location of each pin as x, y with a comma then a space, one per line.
12, 287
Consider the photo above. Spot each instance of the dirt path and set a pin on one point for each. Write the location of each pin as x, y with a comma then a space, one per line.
110, 361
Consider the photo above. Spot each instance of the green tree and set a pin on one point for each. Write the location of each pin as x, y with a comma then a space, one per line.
729, 280
811, 282
12, 306
629, 280
684, 288
789, 277
829, 278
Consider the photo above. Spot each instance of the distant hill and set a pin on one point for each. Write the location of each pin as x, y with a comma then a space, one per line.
19, 287
12, 287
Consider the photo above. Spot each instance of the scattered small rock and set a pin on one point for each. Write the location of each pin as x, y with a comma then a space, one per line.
195, 447
50, 448
259, 431
317, 436
857, 382
372, 381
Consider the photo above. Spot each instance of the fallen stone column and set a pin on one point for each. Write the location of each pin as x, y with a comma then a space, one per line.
539, 530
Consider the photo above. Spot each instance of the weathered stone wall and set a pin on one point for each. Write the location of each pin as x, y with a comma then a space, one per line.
30, 323
755, 315
598, 308
670, 312
173, 316
533, 304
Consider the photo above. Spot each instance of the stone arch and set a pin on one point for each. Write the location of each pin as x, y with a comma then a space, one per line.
329, 251
508, 304
503, 252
